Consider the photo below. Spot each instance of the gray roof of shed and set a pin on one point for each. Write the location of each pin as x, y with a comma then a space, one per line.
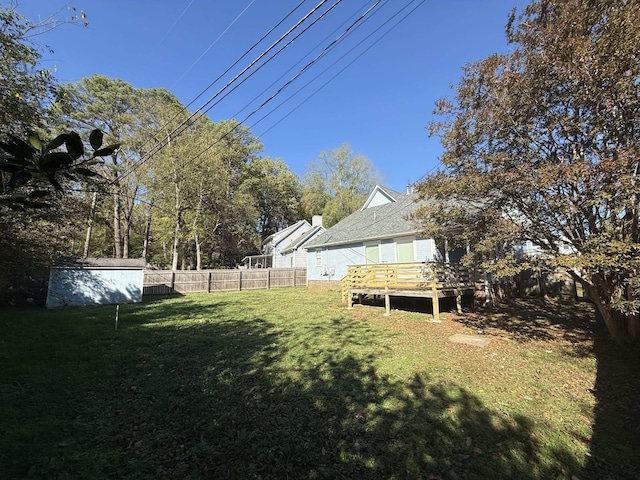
382, 221
96, 263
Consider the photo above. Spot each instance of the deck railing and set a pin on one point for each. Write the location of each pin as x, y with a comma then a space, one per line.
414, 275
434, 279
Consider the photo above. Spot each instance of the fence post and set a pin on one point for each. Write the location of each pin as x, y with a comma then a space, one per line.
173, 281
268, 278
209, 283
240, 280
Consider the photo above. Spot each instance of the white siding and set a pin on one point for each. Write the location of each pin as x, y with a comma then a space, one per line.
84, 286
378, 198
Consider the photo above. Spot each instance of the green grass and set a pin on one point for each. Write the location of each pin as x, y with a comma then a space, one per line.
289, 384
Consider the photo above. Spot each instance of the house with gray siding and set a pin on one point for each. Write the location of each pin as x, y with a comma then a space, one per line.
381, 231
285, 248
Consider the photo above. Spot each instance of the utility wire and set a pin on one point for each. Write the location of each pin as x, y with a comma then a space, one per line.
354, 25
213, 44
189, 121
207, 106
202, 92
297, 75
334, 63
175, 23
240, 124
290, 69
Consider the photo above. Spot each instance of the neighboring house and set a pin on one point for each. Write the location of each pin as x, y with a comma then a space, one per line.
95, 281
285, 248
380, 232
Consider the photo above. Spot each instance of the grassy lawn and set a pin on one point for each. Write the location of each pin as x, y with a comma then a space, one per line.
289, 384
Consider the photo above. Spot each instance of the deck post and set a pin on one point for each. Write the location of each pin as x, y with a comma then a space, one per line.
435, 301
459, 303
387, 302
349, 299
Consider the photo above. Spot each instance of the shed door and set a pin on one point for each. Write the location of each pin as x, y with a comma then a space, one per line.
372, 253
404, 251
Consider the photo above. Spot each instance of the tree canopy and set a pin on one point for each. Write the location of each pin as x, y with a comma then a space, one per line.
542, 144
337, 183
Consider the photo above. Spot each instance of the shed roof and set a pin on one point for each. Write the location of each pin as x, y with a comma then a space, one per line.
100, 263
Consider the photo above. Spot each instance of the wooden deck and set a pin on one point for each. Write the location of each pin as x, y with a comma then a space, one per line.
426, 279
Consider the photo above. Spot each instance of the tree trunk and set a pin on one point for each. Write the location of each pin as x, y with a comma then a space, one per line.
147, 234
198, 252
622, 328
125, 241
176, 231
117, 232
85, 252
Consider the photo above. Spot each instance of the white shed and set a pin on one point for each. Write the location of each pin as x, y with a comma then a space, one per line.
95, 281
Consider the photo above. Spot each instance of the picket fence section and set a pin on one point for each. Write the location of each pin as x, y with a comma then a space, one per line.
164, 282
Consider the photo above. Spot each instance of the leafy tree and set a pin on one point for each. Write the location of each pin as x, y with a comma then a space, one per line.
24, 86
542, 145
337, 183
116, 108
277, 194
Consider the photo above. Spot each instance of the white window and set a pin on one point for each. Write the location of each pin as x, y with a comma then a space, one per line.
318, 258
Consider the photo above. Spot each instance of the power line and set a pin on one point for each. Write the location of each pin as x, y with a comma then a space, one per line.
213, 43
334, 63
203, 91
240, 124
175, 23
188, 122
297, 75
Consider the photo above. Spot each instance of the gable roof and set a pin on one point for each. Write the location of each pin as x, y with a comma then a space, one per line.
380, 195
385, 220
302, 239
280, 235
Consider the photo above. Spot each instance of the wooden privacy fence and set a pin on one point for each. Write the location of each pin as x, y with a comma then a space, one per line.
163, 282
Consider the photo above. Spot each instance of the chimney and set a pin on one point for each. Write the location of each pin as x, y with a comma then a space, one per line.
316, 221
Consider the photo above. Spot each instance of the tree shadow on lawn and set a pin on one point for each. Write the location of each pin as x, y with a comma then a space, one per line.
615, 442
246, 398
537, 318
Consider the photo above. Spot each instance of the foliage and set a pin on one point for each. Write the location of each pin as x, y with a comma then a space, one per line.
235, 386
24, 87
36, 165
337, 184
277, 192
542, 146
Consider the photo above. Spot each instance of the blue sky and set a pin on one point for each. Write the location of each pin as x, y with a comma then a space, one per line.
380, 104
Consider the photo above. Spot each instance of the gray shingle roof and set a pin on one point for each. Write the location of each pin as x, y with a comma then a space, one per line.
300, 241
382, 221
105, 263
